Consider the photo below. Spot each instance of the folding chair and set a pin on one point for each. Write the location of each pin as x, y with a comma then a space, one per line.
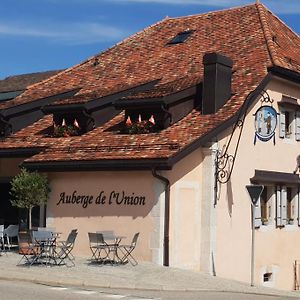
98, 246
10, 232
127, 251
2, 238
26, 248
63, 250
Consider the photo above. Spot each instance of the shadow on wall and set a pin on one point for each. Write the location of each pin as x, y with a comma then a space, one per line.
104, 203
229, 197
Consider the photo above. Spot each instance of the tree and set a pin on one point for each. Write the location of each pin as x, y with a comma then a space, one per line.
29, 189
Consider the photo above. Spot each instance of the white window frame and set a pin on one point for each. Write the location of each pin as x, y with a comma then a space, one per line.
277, 207
294, 121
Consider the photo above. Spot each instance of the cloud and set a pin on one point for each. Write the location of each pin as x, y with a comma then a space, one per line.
66, 33
278, 6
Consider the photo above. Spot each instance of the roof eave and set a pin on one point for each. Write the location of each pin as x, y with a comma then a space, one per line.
285, 73
100, 165
19, 152
157, 101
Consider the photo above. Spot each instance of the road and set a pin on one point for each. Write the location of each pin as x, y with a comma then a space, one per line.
12, 290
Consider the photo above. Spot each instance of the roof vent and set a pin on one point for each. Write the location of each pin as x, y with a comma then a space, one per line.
216, 82
181, 37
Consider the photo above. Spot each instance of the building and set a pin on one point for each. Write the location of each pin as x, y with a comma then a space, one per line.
13, 118
162, 133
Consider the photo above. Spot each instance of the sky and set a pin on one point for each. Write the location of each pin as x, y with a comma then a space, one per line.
42, 35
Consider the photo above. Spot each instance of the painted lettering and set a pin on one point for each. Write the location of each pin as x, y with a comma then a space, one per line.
100, 198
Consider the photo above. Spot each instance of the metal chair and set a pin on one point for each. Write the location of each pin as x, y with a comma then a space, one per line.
2, 238
98, 246
27, 248
127, 251
63, 250
9, 233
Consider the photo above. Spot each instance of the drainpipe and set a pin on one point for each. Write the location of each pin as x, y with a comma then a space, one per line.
167, 215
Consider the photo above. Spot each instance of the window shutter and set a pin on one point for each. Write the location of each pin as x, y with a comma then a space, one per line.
297, 125
278, 207
283, 206
257, 214
281, 124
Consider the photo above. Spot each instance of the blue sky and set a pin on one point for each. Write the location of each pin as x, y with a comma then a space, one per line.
41, 35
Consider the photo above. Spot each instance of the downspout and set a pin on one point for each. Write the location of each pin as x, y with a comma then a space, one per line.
167, 215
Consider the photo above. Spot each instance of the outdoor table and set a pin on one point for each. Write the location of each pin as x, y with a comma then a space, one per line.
112, 246
45, 242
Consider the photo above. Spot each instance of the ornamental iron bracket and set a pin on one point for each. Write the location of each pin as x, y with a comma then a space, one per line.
224, 161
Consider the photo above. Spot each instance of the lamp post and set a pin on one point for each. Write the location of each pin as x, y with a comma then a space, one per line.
254, 193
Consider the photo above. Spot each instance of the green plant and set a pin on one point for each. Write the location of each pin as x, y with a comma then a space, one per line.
144, 126
65, 130
29, 189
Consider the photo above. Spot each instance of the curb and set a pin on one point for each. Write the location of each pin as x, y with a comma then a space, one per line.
82, 284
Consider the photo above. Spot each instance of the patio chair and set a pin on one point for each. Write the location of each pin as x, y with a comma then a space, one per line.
26, 247
9, 233
1, 237
98, 246
63, 251
127, 251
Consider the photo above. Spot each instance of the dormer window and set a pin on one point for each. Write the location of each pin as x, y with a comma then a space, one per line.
65, 125
181, 37
139, 125
66, 130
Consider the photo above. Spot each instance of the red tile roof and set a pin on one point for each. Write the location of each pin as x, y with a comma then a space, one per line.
251, 36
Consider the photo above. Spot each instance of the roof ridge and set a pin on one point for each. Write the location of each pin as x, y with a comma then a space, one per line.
212, 12
267, 33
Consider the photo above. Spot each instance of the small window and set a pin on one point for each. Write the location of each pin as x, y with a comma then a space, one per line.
267, 277
181, 37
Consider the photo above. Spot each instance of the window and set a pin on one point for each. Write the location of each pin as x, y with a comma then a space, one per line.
291, 195
289, 125
277, 203
267, 277
264, 208
286, 205
181, 37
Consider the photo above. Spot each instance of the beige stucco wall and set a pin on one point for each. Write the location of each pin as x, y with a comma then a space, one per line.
275, 249
109, 213
185, 211
125, 220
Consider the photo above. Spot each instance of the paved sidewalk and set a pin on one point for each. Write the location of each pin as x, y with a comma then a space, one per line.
146, 276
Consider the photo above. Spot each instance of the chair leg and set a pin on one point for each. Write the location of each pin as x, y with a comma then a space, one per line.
128, 256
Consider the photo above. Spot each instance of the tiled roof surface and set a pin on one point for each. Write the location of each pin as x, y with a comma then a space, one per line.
251, 36
21, 82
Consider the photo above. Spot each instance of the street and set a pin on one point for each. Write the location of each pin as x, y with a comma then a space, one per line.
14, 290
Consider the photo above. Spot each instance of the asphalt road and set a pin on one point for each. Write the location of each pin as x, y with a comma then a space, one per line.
13, 290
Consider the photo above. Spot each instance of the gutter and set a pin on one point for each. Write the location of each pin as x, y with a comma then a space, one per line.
167, 215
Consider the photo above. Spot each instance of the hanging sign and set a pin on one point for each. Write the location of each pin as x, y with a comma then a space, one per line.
265, 123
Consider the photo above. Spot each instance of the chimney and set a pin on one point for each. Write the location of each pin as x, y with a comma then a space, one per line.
216, 82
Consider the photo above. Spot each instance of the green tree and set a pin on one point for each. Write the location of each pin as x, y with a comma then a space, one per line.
29, 189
